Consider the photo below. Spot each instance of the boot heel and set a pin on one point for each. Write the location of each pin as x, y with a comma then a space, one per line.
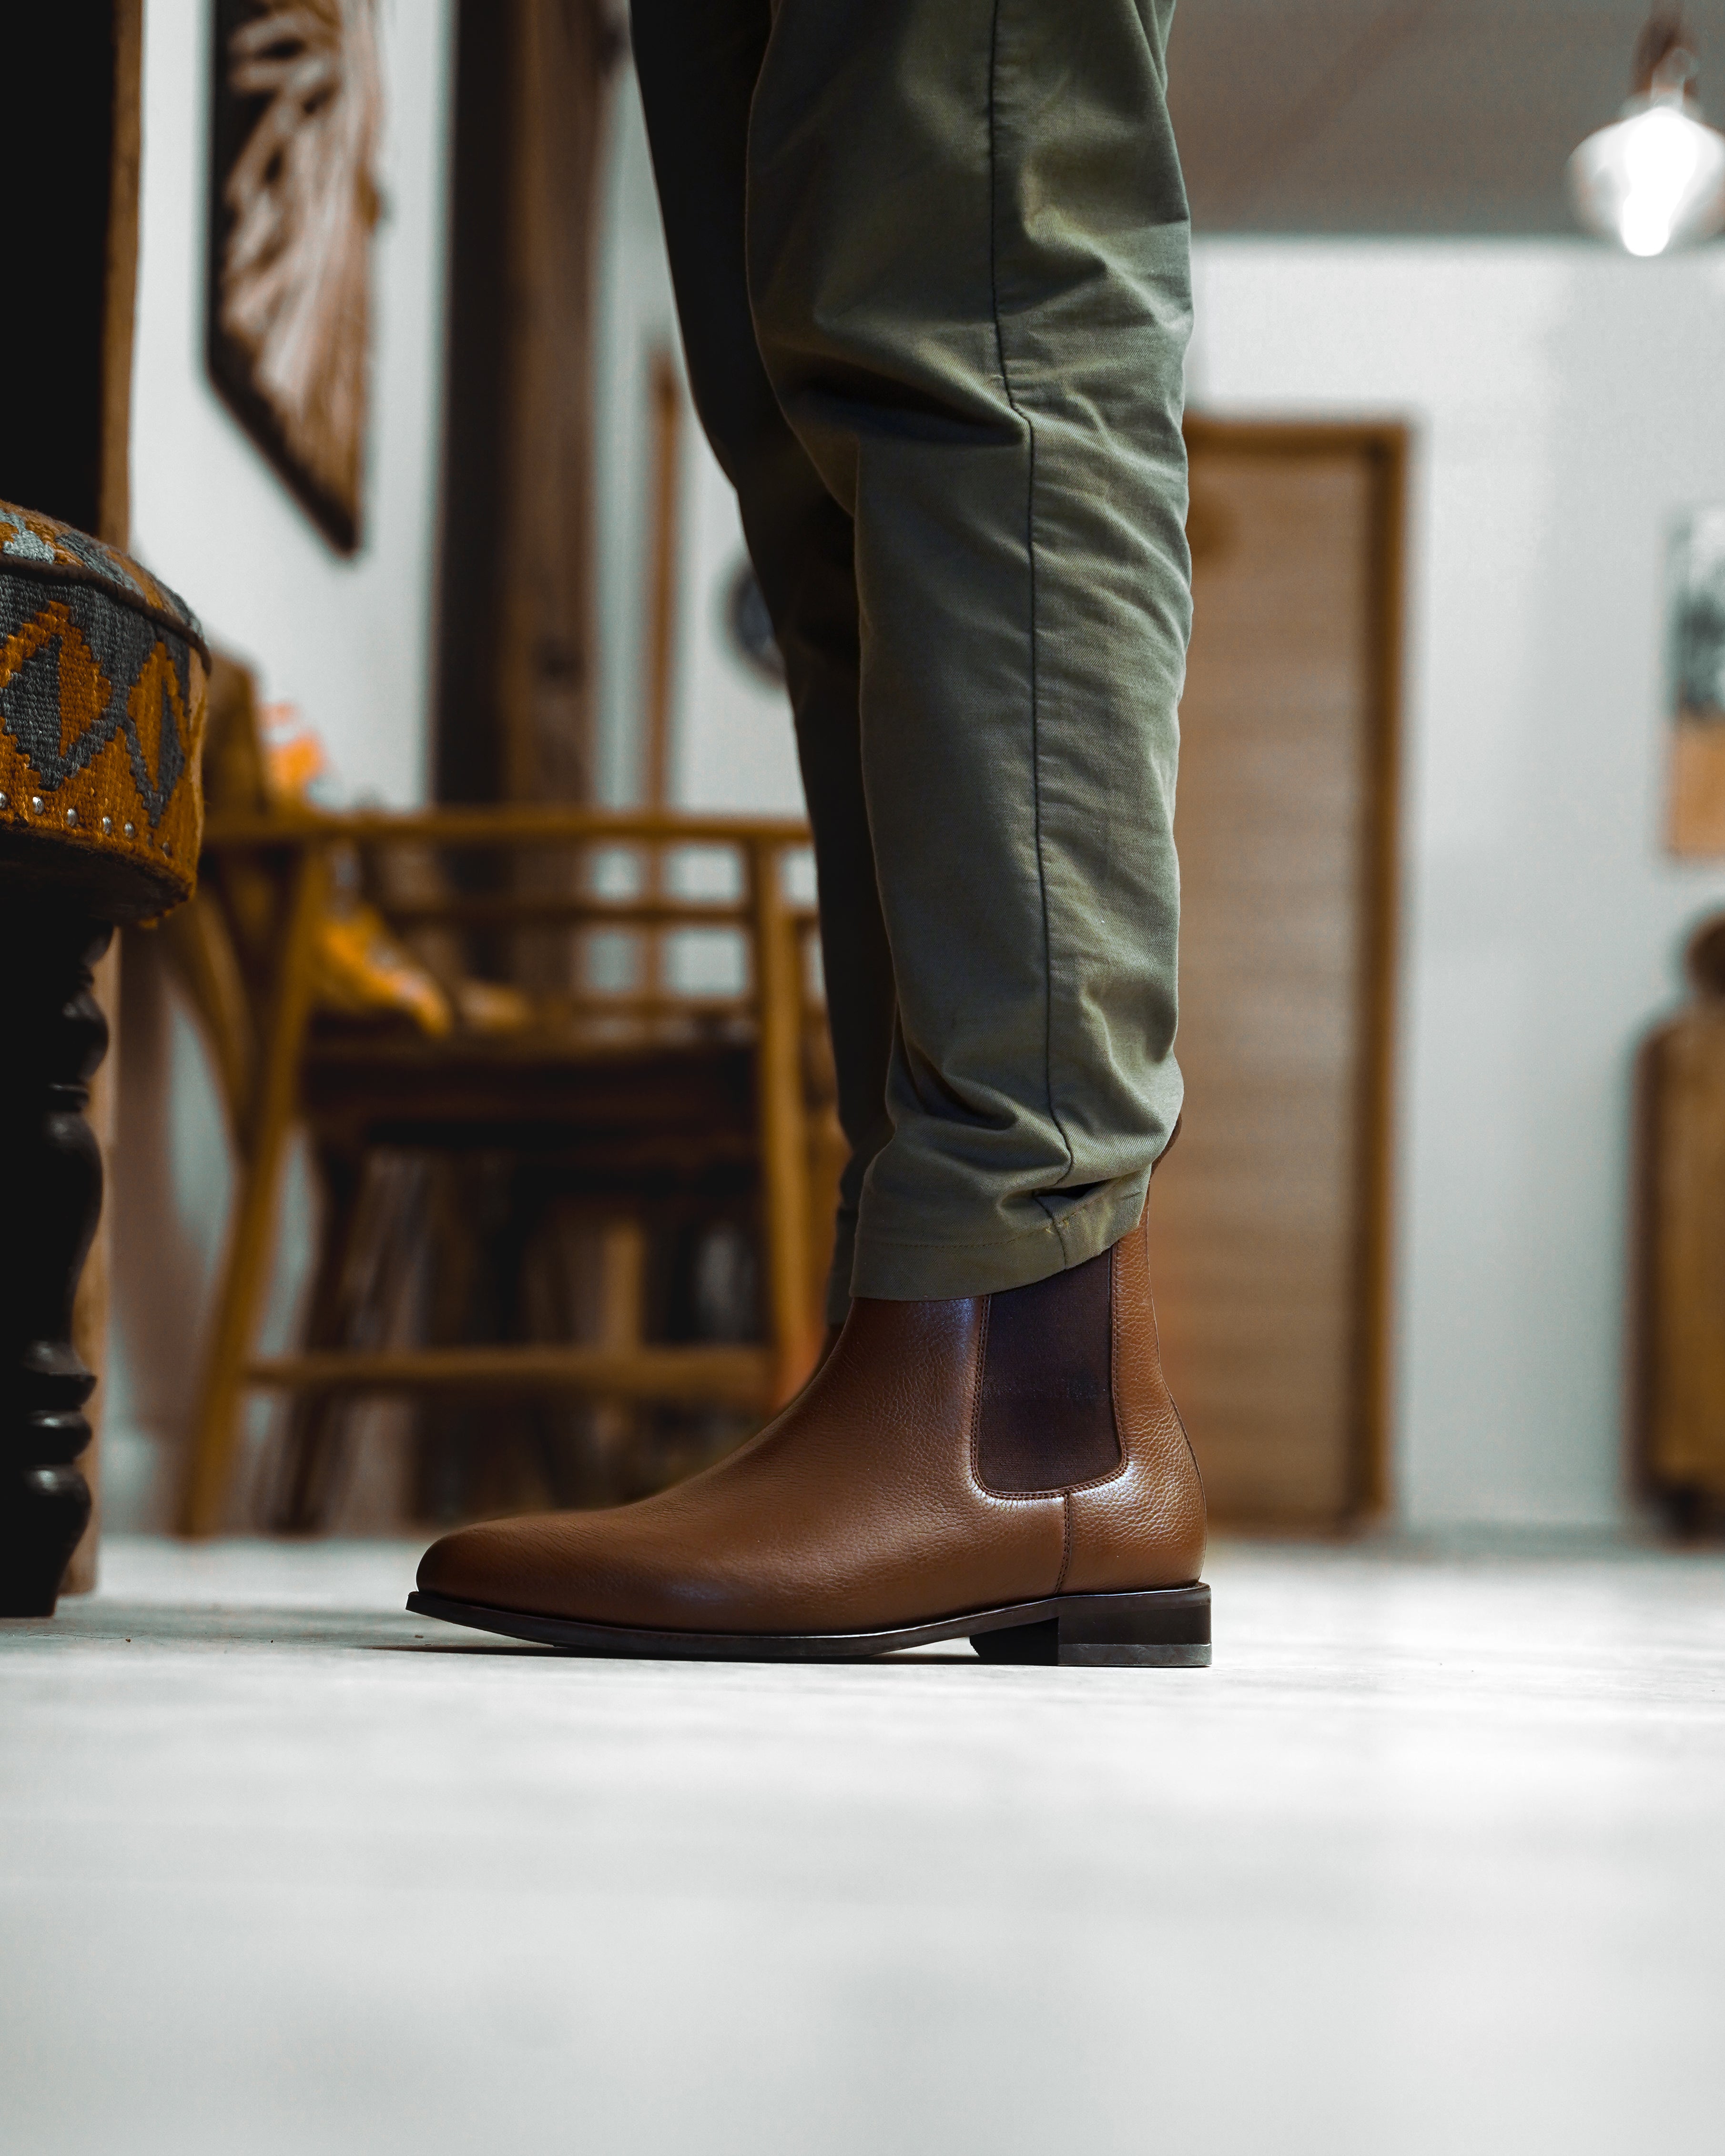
1166, 1628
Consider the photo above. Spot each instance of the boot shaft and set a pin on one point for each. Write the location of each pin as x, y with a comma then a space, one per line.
1071, 1401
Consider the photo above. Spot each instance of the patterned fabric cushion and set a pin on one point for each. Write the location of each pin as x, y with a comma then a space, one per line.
103, 673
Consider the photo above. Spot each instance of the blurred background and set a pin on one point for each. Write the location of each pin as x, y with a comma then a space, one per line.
1445, 799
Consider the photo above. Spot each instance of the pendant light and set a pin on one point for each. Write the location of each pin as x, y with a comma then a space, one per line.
1655, 178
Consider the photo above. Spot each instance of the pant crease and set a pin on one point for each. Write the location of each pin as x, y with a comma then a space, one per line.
1025, 421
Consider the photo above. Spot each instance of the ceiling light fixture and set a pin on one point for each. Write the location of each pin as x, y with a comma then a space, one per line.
1655, 178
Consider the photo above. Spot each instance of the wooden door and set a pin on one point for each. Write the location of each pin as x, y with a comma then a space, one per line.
1269, 1224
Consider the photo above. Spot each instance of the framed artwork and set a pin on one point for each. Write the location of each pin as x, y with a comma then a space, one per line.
1696, 630
296, 110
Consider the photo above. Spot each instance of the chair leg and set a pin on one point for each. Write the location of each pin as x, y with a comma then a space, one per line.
462, 1450
245, 1275
828, 1154
310, 1450
622, 1278
783, 1135
203, 1502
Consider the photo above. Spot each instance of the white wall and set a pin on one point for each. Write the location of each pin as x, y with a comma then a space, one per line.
349, 639
1565, 402
732, 746
346, 639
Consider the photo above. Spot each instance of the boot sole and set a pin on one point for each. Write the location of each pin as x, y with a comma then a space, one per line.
1166, 1628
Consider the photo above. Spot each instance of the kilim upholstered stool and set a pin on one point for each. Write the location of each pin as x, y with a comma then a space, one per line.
102, 676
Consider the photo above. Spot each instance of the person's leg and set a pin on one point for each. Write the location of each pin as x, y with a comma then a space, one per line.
698, 62
968, 244
969, 262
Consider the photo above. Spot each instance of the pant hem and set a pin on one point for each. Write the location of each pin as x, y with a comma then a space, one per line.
893, 1272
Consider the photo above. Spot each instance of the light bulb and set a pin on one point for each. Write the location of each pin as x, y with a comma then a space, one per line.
1660, 156
1655, 178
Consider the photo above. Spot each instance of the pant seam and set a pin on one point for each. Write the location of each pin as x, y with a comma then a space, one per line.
1024, 420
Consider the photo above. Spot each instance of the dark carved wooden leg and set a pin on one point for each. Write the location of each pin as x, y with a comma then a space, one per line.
50, 1198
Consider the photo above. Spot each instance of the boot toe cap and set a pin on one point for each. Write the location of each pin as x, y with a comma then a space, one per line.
490, 1564
584, 1566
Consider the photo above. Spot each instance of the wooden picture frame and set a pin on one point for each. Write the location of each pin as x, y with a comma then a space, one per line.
295, 113
1695, 594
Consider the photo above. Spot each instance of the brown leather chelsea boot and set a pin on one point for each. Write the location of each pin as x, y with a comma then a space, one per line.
1006, 1467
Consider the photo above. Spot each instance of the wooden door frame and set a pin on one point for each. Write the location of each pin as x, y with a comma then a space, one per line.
1383, 445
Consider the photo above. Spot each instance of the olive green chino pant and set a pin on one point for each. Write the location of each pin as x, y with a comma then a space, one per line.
932, 266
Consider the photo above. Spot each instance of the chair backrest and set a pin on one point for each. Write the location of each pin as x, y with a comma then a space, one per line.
645, 906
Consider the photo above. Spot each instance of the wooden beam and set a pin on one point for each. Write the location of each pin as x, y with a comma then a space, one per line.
121, 279
509, 909
510, 824
660, 656
741, 1377
783, 1128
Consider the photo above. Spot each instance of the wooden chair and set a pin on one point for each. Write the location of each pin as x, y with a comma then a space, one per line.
607, 1091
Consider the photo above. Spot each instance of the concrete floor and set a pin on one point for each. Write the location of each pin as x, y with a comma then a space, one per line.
1432, 1861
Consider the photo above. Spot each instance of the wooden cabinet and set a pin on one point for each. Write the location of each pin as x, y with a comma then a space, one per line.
1680, 1233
